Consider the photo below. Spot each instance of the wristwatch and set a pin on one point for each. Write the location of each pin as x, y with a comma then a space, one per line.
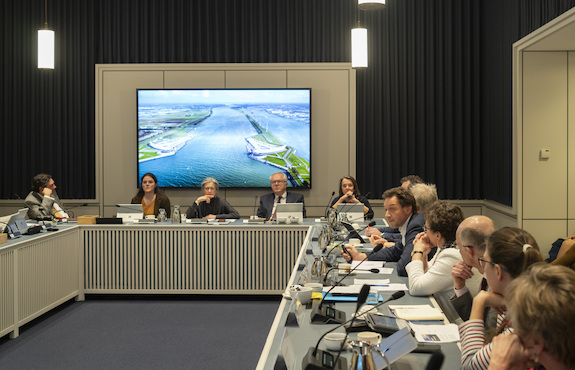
414, 252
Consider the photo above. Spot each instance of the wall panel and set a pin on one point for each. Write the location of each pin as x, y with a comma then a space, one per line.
544, 127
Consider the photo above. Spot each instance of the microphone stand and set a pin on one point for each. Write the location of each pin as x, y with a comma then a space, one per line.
314, 360
328, 315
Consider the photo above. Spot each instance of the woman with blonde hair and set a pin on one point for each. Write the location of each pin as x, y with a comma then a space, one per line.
510, 251
541, 306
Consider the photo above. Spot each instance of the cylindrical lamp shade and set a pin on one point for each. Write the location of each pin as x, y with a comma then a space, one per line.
46, 49
370, 4
358, 47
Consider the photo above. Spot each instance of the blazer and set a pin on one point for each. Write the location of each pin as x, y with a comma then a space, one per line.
162, 201
267, 203
40, 206
220, 207
402, 253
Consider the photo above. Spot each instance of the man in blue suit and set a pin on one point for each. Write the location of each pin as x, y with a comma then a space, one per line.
268, 202
401, 213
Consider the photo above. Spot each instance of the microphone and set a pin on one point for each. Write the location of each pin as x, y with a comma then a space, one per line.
361, 298
312, 361
328, 204
372, 223
329, 315
254, 218
377, 248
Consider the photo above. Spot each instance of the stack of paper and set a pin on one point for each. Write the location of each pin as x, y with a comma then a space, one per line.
435, 333
416, 312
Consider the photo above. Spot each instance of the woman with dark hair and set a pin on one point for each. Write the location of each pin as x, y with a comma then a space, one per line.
510, 251
349, 193
541, 306
151, 198
442, 219
209, 205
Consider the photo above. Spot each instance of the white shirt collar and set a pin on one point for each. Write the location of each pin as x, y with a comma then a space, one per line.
403, 230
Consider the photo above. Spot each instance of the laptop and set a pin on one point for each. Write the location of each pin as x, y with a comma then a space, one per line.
289, 210
15, 224
354, 211
130, 212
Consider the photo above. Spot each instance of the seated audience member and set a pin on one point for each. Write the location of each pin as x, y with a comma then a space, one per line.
268, 202
541, 306
425, 195
408, 181
471, 238
43, 201
349, 193
209, 205
559, 247
566, 254
400, 212
425, 278
510, 251
150, 197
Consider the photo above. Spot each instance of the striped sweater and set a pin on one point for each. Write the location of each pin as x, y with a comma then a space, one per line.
474, 354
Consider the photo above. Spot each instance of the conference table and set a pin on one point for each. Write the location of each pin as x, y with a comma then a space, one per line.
301, 337
41, 271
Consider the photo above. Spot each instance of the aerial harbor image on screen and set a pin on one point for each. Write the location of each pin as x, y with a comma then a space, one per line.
240, 137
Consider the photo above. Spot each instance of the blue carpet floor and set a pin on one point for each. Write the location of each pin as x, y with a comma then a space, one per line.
144, 334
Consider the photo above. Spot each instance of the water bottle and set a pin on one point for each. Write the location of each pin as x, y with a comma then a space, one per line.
162, 215
176, 215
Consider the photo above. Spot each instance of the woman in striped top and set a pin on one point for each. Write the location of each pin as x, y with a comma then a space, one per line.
510, 251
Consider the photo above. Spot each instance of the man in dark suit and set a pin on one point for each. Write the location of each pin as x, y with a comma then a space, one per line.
268, 202
401, 213
471, 237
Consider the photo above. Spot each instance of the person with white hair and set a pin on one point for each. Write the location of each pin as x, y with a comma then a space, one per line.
209, 205
268, 202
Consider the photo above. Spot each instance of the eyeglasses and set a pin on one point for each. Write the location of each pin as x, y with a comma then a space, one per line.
426, 228
482, 262
278, 181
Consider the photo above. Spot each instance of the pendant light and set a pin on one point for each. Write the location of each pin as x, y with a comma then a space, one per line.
46, 43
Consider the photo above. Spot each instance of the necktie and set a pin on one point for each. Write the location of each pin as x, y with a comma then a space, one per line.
278, 200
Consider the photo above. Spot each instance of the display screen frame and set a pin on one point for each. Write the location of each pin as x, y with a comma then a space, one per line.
276, 126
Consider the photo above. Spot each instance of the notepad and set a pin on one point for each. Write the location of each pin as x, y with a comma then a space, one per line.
416, 312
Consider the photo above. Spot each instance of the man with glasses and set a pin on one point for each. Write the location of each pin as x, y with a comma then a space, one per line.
471, 238
269, 202
401, 213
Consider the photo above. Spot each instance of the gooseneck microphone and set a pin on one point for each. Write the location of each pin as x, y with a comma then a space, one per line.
255, 205
361, 298
372, 223
328, 204
313, 361
376, 249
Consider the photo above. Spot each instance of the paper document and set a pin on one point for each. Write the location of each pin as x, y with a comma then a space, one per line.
416, 312
435, 333
368, 265
392, 287
347, 290
372, 282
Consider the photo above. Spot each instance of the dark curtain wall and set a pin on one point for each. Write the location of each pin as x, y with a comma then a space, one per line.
435, 100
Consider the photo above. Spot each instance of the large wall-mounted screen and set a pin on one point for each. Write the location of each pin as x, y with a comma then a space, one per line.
238, 136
